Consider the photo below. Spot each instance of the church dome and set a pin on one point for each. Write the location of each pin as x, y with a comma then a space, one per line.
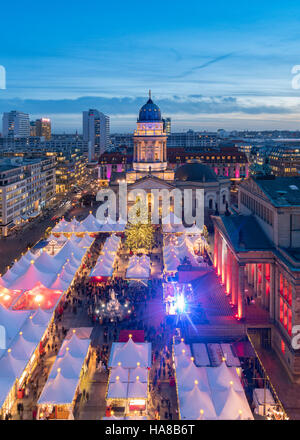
150, 112
195, 172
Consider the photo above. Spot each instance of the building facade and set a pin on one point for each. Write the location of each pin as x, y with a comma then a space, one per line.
15, 124
43, 128
96, 128
149, 168
260, 248
26, 187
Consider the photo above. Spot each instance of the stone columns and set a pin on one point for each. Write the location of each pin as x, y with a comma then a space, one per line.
250, 273
228, 272
272, 291
234, 281
255, 277
241, 291
276, 293
220, 240
224, 257
216, 249
263, 286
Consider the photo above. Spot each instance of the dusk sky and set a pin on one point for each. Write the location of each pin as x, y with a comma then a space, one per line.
210, 65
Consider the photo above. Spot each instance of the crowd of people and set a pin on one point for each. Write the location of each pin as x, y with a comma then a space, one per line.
82, 298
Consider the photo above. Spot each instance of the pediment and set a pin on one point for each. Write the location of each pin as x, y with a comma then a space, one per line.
151, 183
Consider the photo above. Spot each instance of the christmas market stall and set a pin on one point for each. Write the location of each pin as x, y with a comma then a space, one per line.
128, 384
208, 393
26, 333
138, 268
58, 397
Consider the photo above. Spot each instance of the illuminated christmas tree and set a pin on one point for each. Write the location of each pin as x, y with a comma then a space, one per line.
140, 232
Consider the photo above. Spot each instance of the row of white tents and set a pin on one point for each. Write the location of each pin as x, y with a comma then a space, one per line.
106, 261
138, 267
66, 373
129, 371
172, 224
208, 393
175, 252
55, 272
23, 332
89, 225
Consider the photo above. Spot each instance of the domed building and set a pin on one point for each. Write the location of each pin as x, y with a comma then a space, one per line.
195, 172
150, 166
150, 145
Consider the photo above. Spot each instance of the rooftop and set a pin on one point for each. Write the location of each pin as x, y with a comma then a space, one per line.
245, 233
282, 191
195, 172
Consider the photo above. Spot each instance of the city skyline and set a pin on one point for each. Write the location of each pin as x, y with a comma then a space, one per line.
227, 66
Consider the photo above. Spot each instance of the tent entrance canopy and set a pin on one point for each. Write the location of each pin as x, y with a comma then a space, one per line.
137, 405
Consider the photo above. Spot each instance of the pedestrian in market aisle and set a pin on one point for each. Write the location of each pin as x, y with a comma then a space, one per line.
27, 391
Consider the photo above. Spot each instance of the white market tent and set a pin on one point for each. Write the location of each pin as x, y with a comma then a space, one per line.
60, 284
137, 389
31, 277
77, 347
112, 226
208, 393
12, 321
60, 226
25, 329
128, 380
196, 404
89, 225
24, 332
106, 260
193, 230
85, 242
67, 250
138, 268
174, 253
65, 373
117, 390
46, 263
140, 372
231, 405
120, 372
172, 224
187, 376
220, 377
19, 267
129, 353
58, 390
182, 346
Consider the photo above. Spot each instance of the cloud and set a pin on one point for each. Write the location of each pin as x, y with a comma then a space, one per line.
204, 65
191, 104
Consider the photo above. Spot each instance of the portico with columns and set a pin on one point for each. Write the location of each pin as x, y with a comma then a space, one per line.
238, 266
248, 264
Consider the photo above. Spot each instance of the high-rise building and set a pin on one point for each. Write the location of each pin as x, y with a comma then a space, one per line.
167, 125
15, 124
43, 128
96, 130
32, 128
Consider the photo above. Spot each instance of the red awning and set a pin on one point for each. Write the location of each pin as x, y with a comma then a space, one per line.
137, 335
